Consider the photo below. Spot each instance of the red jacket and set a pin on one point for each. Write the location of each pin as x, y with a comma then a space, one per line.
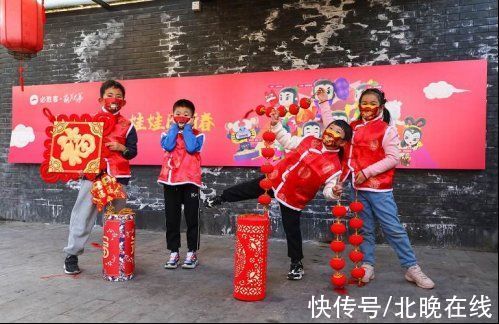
117, 165
297, 178
366, 149
179, 166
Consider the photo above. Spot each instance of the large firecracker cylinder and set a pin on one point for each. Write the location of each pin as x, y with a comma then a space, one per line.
118, 245
250, 270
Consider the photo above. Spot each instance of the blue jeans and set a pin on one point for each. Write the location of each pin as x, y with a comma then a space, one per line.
381, 207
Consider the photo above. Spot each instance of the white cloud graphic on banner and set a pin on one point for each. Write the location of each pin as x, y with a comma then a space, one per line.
395, 109
22, 136
441, 90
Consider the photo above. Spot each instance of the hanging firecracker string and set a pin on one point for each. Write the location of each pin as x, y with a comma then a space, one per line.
338, 228
356, 239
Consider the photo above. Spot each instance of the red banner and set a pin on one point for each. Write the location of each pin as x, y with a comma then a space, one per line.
438, 108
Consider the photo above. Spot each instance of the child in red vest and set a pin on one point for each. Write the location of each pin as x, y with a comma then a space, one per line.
122, 142
310, 163
181, 177
371, 160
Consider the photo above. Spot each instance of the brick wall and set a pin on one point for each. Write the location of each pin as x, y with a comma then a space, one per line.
167, 39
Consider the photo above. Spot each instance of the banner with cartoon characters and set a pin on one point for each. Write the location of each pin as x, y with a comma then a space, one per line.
439, 110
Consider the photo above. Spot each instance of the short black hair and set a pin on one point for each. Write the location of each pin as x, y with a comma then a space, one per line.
111, 84
347, 129
185, 103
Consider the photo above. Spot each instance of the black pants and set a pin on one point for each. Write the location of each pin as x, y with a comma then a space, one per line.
290, 217
175, 197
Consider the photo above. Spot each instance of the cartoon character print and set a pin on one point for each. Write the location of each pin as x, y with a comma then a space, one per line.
312, 128
336, 91
271, 98
242, 132
411, 139
288, 96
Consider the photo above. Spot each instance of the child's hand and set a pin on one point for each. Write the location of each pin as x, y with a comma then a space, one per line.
360, 178
191, 121
321, 95
338, 190
171, 119
115, 146
274, 118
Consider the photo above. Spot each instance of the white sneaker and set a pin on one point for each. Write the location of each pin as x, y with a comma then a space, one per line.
172, 263
416, 275
369, 275
191, 261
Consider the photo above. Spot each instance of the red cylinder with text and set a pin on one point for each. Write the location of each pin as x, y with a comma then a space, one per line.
118, 246
250, 269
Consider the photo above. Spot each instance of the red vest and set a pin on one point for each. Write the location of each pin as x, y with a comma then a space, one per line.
297, 178
117, 165
366, 149
180, 167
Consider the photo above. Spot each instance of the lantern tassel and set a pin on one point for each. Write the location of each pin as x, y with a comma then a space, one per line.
21, 78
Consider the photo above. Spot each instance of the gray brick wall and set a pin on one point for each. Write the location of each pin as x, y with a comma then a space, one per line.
167, 39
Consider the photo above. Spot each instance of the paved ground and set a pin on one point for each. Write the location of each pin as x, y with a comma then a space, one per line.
32, 287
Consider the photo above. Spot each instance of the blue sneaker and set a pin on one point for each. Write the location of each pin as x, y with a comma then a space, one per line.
191, 260
173, 261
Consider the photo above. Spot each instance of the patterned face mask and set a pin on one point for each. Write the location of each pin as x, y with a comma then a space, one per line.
113, 105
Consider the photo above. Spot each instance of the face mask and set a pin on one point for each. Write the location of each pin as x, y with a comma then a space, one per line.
331, 137
113, 104
181, 119
369, 111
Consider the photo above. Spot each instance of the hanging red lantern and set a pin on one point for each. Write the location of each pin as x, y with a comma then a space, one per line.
22, 29
266, 184
267, 168
264, 199
358, 273
269, 137
268, 152
356, 239
305, 103
337, 263
269, 111
338, 228
356, 207
356, 256
339, 280
356, 223
281, 110
260, 110
337, 246
294, 109
339, 211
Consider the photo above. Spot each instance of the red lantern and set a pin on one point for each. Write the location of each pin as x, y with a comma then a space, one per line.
338, 228
339, 280
356, 256
268, 152
337, 263
358, 273
260, 110
356, 239
356, 223
282, 111
269, 137
339, 211
294, 109
22, 29
264, 199
356, 207
268, 111
305, 103
266, 184
267, 168
337, 246
250, 265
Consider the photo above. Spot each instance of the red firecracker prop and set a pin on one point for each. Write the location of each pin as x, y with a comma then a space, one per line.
356, 239
22, 29
106, 189
118, 245
250, 269
338, 228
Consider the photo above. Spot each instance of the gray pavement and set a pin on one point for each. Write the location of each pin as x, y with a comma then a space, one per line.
33, 287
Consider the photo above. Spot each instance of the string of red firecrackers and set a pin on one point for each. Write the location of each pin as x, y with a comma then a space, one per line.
268, 152
356, 239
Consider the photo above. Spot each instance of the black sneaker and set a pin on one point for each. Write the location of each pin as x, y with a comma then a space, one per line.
71, 265
296, 271
212, 202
